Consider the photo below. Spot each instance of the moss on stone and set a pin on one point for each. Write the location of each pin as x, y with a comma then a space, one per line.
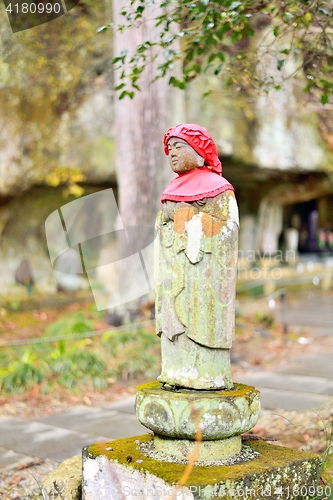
238, 390
222, 413
276, 465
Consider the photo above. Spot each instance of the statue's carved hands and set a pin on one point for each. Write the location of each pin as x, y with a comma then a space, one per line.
170, 209
199, 203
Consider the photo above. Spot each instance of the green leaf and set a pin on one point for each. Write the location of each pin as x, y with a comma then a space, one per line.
249, 31
324, 99
122, 95
287, 17
122, 85
308, 87
222, 31
280, 63
328, 85
276, 31
216, 55
235, 36
234, 5
181, 84
306, 19
218, 69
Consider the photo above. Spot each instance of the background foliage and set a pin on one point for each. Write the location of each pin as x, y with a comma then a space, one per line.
79, 365
232, 38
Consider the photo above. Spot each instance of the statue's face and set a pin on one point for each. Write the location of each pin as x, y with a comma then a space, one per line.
182, 157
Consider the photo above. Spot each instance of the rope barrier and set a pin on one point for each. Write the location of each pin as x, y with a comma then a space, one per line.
75, 336
133, 326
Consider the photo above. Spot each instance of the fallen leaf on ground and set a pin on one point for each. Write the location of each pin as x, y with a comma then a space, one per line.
15, 479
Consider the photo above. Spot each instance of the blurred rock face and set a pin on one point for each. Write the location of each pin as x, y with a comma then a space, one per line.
56, 109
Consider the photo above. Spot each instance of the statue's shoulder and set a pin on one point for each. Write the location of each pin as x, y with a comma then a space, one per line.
221, 205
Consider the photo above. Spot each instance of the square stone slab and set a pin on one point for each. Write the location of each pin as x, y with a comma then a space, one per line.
120, 470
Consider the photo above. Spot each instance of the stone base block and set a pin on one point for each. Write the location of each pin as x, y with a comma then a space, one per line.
222, 414
120, 470
208, 450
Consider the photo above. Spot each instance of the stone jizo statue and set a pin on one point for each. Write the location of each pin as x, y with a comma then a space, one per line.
195, 264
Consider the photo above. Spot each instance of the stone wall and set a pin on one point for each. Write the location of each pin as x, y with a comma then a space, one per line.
56, 107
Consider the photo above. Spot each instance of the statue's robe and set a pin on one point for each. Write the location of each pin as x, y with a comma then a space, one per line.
195, 278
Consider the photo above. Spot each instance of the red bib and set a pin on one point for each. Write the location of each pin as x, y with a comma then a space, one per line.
194, 185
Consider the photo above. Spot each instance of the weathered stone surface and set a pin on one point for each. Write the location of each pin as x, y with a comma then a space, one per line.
57, 118
195, 277
221, 413
208, 450
274, 130
187, 362
65, 483
16, 226
120, 470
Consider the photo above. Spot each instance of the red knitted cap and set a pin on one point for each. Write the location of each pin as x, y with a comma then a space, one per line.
199, 139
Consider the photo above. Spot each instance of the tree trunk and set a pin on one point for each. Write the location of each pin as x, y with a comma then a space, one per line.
142, 167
